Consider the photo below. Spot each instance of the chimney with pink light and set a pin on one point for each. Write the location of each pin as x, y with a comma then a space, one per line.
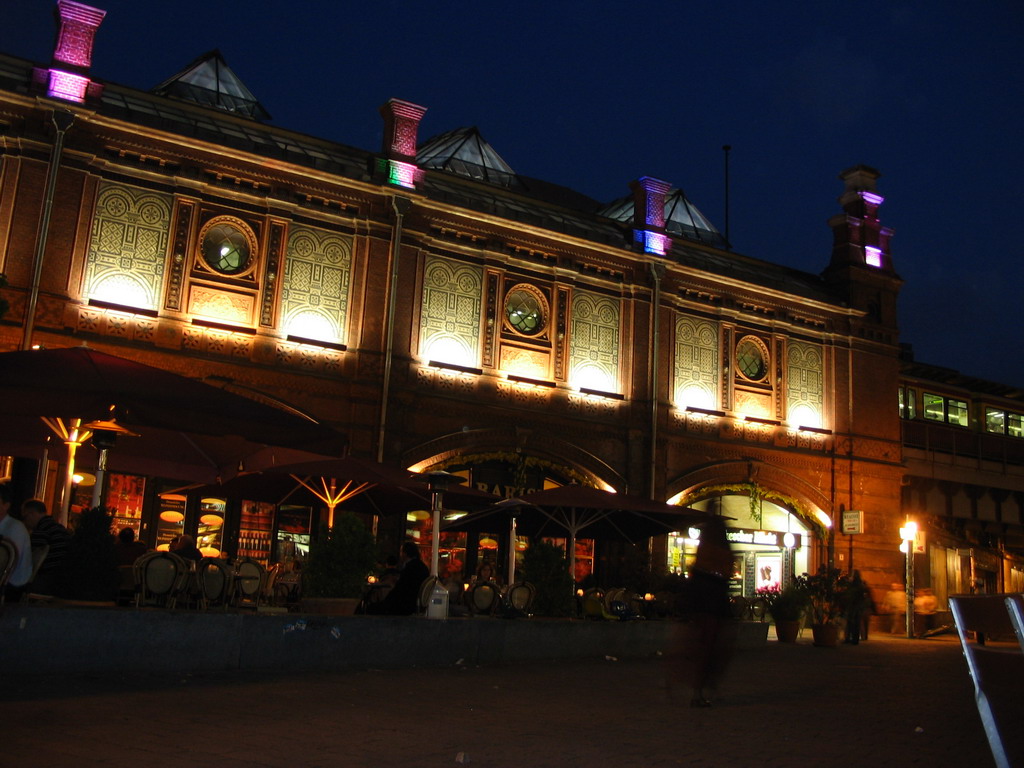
649, 215
68, 75
401, 126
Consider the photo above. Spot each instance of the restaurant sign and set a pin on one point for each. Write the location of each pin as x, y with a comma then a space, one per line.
761, 538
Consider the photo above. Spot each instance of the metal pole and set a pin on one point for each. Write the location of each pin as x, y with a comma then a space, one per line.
62, 120
436, 492
725, 149
101, 470
512, 552
401, 205
910, 589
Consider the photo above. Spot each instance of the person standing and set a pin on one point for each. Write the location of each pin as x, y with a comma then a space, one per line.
855, 603
45, 531
15, 531
712, 629
896, 607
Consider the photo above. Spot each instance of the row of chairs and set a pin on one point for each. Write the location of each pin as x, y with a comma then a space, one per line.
163, 579
611, 605
486, 598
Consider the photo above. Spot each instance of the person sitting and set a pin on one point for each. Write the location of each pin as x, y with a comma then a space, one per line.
485, 572
15, 531
185, 547
403, 599
44, 530
129, 549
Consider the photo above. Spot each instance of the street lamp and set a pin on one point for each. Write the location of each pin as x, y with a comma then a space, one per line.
908, 533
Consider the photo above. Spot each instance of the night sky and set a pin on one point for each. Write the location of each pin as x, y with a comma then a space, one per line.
592, 95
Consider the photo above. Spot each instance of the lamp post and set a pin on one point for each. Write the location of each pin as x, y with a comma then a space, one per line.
908, 533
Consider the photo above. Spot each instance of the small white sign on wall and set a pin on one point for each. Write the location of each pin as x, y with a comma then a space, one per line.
853, 521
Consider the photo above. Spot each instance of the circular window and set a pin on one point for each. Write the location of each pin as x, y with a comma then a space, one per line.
752, 358
226, 246
525, 310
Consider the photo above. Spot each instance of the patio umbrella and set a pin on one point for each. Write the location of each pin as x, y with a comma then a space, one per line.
572, 511
359, 484
187, 429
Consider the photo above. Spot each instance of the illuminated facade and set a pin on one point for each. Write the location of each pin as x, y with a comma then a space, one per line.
446, 312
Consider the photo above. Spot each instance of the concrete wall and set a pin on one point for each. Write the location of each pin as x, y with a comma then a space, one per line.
63, 639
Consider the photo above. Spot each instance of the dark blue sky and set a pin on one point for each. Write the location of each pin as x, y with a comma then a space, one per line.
594, 94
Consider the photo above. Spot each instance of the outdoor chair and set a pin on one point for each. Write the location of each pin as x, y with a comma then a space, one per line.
269, 584
214, 580
997, 669
8, 556
160, 578
249, 577
594, 605
483, 598
519, 598
39, 554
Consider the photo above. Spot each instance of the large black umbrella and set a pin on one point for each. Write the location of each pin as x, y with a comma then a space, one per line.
353, 483
185, 429
572, 511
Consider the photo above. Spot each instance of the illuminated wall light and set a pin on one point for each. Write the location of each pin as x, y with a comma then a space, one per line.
310, 324
121, 289
315, 343
449, 349
696, 396
211, 519
213, 324
704, 411
872, 256
527, 381
171, 516
591, 377
761, 420
872, 197
599, 394
824, 519
805, 416
463, 369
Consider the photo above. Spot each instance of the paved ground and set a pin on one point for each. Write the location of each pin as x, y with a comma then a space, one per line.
887, 702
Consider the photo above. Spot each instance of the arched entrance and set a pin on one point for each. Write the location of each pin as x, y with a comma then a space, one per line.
770, 543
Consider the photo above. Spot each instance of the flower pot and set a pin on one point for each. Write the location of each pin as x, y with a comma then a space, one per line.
786, 631
825, 635
332, 606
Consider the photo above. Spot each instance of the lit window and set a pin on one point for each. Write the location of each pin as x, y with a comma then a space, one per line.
908, 403
934, 407
1015, 425
995, 421
752, 358
956, 412
524, 310
227, 246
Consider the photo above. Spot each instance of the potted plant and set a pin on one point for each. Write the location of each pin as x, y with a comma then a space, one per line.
334, 575
786, 606
825, 591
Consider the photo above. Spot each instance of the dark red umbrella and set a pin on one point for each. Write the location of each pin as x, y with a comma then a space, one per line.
184, 428
571, 511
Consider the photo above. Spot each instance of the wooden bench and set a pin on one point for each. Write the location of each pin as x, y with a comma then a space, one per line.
995, 659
